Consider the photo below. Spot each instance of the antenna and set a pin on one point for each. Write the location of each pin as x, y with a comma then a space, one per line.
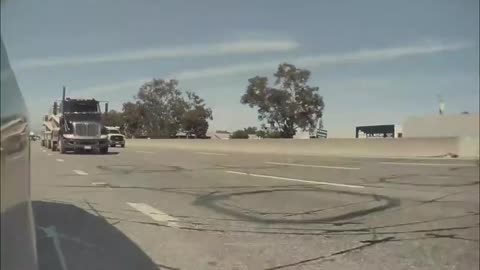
441, 105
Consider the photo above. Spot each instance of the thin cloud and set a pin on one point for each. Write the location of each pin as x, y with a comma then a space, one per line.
238, 47
361, 56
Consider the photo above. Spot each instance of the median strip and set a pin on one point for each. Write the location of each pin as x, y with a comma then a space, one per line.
295, 180
154, 213
80, 172
429, 164
313, 166
211, 154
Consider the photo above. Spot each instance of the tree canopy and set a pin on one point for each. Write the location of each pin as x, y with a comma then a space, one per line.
161, 109
113, 118
287, 105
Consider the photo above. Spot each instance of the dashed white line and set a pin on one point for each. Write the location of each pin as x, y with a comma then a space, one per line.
60, 160
295, 180
313, 166
429, 164
99, 184
80, 172
144, 152
44, 150
211, 153
49, 154
154, 213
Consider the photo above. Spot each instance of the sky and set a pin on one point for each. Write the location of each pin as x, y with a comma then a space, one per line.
374, 61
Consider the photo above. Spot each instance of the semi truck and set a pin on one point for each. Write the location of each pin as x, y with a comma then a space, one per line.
75, 125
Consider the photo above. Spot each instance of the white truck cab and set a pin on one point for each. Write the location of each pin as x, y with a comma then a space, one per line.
115, 137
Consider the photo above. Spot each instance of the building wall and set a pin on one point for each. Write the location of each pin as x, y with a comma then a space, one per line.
442, 126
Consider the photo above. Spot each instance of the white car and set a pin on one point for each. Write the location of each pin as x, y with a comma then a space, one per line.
115, 137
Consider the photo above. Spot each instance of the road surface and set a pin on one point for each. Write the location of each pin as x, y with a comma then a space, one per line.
140, 208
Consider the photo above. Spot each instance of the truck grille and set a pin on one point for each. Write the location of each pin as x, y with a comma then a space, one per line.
87, 129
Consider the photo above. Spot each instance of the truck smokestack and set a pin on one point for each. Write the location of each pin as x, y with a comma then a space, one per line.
63, 94
106, 108
55, 108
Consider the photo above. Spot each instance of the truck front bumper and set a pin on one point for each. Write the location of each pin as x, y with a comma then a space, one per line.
85, 144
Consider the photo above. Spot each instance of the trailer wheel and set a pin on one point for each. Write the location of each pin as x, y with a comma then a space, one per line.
54, 146
49, 144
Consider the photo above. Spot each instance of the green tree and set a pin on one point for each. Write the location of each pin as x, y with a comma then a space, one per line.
113, 118
261, 134
196, 116
163, 107
290, 104
239, 134
251, 130
133, 119
162, 110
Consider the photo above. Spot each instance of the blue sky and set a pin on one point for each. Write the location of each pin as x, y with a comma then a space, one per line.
375, 62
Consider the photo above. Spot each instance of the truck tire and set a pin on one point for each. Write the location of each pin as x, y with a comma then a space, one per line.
54, 146
42, 143
123, 145
49, 144
61, 146
104, 150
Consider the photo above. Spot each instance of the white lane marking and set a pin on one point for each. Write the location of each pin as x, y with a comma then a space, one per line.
313, 166
296, 180
60, 160
429, 164
49, 154
154, 213
145, 152
211, 154
99, 184
44, 150
79, 172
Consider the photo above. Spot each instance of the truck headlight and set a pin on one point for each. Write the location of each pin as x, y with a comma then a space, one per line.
103, 136
68, 136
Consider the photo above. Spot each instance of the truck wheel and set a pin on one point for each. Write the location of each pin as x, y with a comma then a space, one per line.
42, 143
103, 150
54, 146
123, 145
61, 146
49, 144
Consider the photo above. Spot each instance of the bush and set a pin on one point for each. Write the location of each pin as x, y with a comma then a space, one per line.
239, 134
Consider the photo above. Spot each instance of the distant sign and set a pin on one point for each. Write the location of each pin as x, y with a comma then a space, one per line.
322, 133
379, 131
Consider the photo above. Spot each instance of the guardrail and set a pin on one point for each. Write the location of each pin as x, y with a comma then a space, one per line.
401, 147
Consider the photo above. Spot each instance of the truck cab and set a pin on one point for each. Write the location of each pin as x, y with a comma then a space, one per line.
75, 125
80, 126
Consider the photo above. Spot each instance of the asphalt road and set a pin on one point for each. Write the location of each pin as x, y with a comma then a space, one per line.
140, 208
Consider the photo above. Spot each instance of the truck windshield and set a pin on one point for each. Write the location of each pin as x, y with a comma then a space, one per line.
80, 106
113, 132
